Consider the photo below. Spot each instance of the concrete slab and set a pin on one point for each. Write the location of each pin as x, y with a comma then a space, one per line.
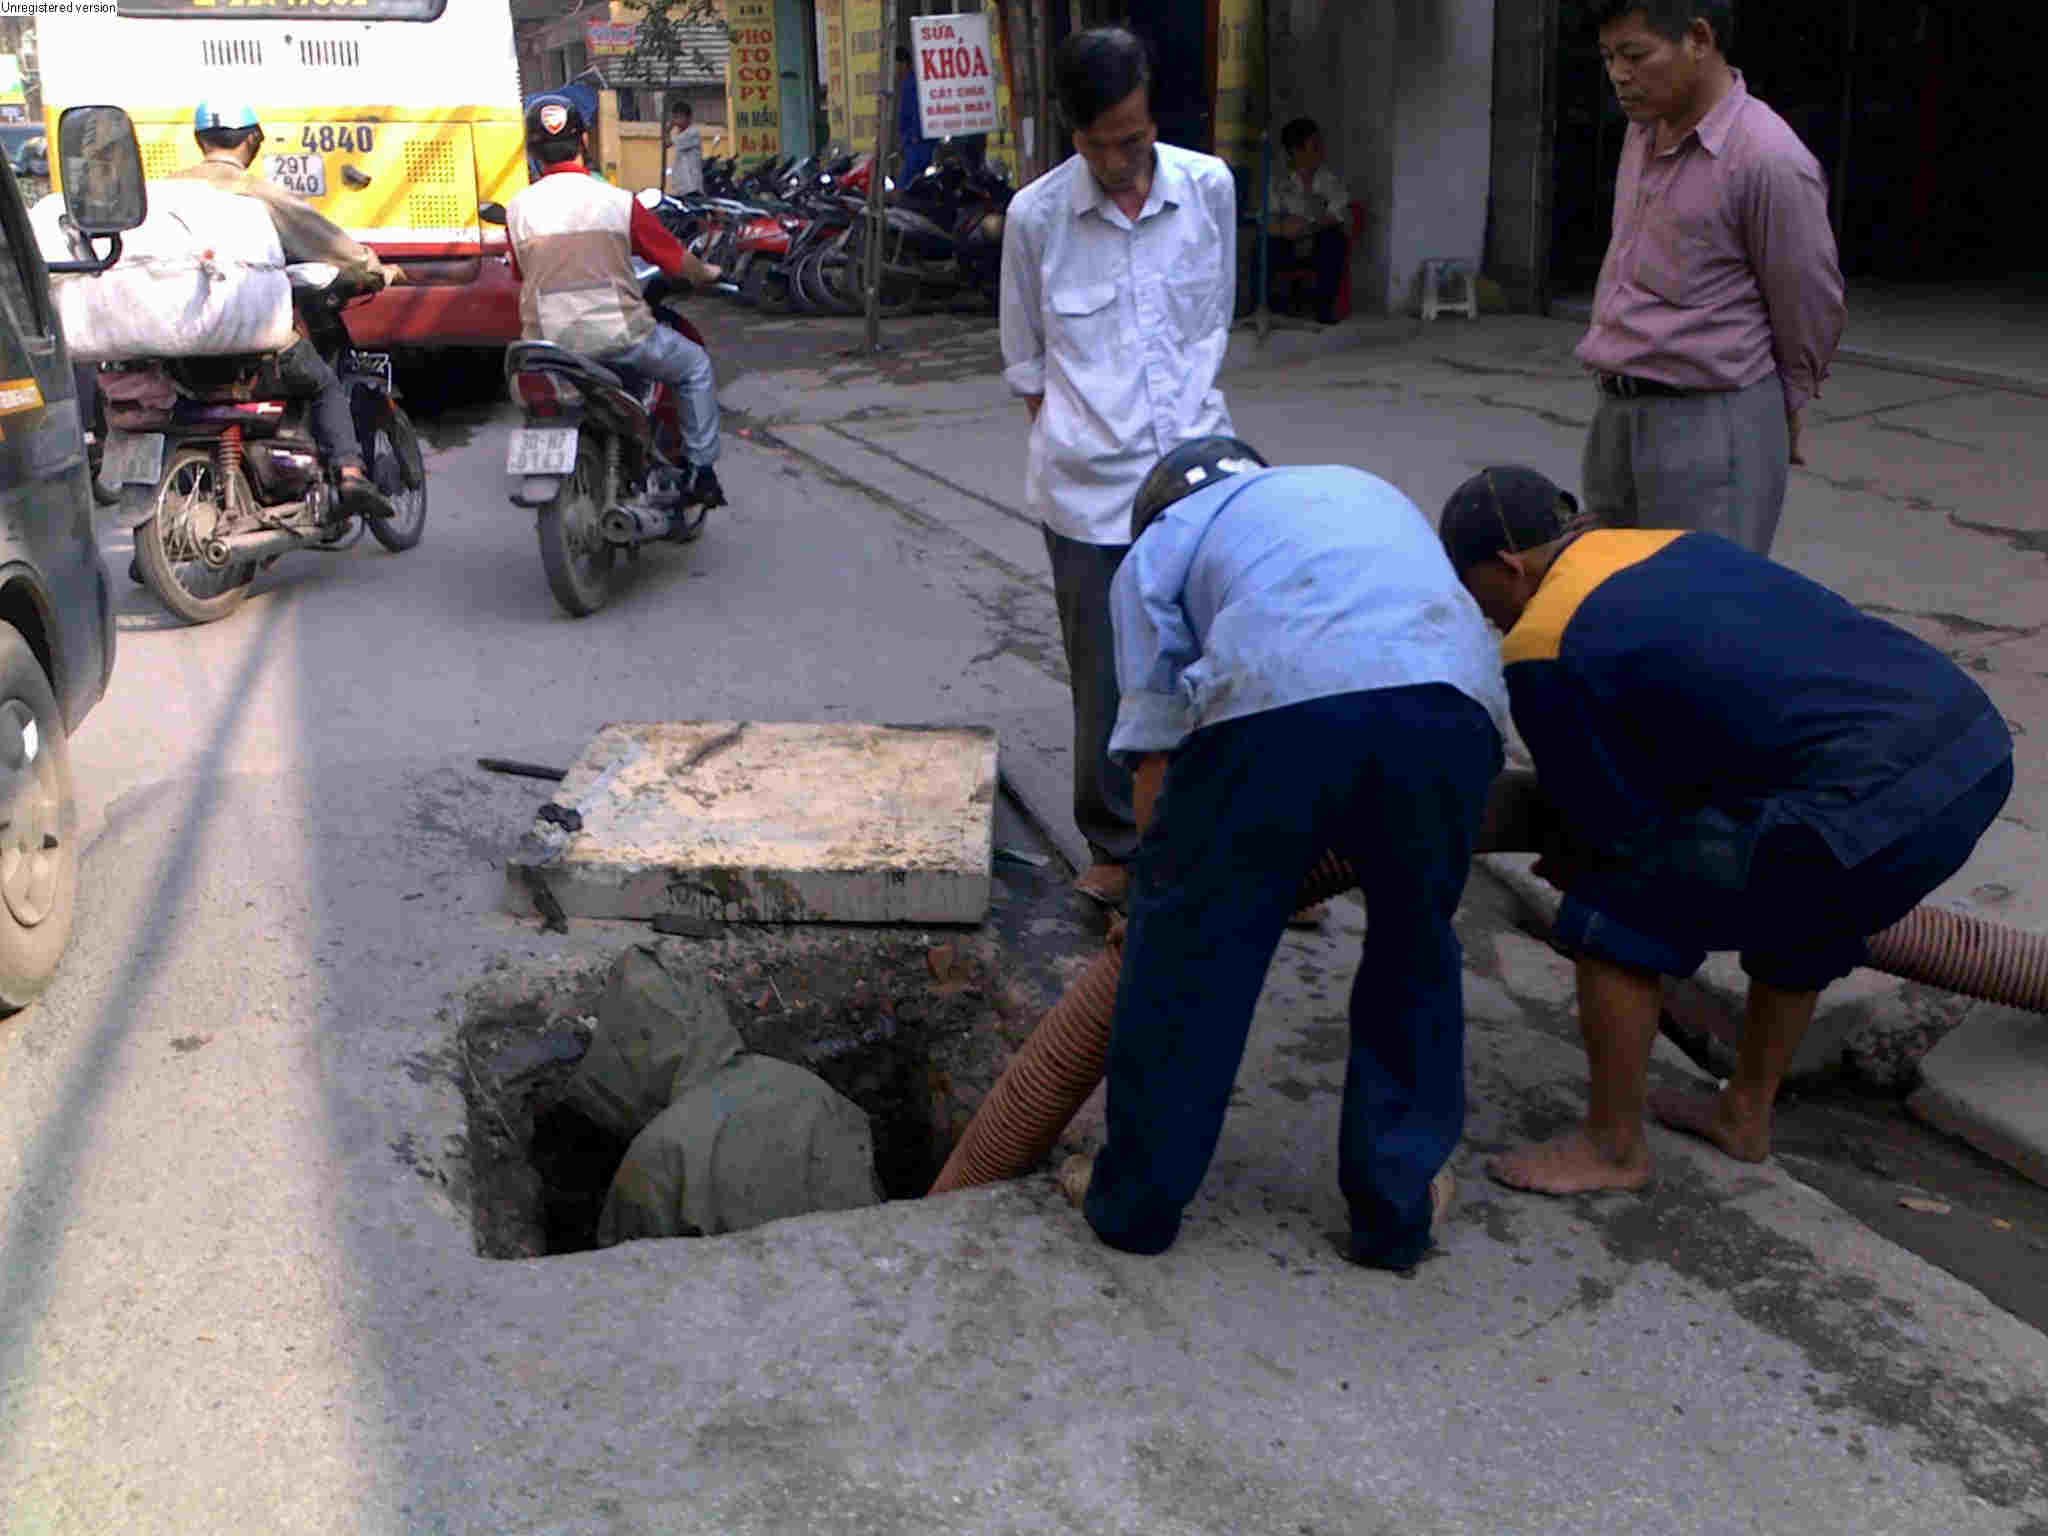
1987, 1082
739, 821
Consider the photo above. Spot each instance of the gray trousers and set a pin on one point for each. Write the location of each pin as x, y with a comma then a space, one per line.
1708, 463
1081, 574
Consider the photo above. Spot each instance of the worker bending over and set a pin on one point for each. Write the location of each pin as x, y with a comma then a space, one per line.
1744, 760
1300, 672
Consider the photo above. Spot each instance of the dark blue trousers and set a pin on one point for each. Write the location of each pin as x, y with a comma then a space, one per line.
1396, 781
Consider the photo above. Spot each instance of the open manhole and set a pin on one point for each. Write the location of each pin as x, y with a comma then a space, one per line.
911, 1026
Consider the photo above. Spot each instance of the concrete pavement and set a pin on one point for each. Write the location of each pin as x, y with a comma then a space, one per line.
238, 1283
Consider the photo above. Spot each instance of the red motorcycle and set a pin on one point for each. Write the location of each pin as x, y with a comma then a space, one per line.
599, 456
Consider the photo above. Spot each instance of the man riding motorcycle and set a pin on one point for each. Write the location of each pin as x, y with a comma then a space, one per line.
230, 137
573, 243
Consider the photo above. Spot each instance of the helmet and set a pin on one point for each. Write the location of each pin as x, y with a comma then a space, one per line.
553, 120
1189, 468
230, 115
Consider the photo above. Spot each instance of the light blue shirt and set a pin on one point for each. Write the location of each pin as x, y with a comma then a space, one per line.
1283, 586
1121, 325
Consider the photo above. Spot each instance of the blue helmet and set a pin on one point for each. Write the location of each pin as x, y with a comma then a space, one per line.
224, 114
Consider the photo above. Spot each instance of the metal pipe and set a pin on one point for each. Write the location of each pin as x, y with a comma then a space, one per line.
247, 548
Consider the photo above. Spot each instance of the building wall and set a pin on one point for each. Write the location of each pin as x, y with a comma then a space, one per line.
1403, 90
1518, 232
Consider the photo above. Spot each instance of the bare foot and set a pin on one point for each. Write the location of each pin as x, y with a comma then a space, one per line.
1711, 1117
1572, 1164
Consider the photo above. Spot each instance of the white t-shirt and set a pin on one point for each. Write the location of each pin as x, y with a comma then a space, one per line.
685, 160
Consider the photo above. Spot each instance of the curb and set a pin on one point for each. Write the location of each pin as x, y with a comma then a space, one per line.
1987, 1083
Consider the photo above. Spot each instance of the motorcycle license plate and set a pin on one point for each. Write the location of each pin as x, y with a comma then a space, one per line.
541, 451
376, 365
132, 458
303, 174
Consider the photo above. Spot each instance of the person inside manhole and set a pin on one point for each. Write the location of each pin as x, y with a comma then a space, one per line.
1300, 672
1742, 760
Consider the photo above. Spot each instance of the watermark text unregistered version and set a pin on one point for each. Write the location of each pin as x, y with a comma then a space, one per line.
56, 7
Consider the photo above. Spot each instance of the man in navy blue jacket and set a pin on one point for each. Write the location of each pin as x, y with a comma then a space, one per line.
1743, 761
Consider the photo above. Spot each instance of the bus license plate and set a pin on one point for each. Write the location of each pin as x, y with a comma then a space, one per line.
542, 451
303, 174
132, 458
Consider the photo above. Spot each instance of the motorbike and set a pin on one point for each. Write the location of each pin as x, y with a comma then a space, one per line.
599, 455
943, 239
238, 479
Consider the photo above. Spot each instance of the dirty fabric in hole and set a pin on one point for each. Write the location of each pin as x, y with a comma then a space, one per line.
755, 1141
657, 1034
720, 1140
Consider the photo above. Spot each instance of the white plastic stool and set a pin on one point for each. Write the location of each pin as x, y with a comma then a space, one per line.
1443, 277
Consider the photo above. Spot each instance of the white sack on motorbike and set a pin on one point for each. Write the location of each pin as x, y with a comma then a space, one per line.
202, 276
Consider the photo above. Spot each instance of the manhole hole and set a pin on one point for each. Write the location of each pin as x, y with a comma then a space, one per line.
912, 1027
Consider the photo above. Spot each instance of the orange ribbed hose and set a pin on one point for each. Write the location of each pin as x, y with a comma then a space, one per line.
1961, 953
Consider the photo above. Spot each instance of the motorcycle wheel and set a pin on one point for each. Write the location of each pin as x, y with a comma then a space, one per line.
809, 283
188, 507
399, 470
39, 846
766, 287
899, 293
573, 548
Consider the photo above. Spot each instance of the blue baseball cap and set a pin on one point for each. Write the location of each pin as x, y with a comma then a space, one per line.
224, 114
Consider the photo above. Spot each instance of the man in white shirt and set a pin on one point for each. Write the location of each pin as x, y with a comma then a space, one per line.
1119, 276
685, 152
1311, 223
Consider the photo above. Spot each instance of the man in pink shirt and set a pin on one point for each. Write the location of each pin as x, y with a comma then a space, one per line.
1720, 302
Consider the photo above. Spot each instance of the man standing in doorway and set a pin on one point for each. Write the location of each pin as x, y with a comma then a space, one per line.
1119, 271
685, 151
917, 149
1719, 305
1311, 215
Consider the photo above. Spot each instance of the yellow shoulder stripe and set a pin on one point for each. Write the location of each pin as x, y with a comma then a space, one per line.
1590, 560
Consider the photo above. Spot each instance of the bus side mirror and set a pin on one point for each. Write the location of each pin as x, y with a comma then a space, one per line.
104, 189
491, 213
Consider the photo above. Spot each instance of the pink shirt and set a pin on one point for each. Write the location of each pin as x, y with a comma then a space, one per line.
1722, 264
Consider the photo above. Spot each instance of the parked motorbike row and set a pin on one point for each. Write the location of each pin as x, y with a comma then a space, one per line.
793, 236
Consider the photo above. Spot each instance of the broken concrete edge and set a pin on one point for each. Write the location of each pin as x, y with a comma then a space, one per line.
1043, 797
1987, 1083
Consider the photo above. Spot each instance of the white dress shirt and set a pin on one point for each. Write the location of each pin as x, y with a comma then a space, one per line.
1121, 326
1324, 196
685, 160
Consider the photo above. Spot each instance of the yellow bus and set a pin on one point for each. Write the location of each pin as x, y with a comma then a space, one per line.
396, 118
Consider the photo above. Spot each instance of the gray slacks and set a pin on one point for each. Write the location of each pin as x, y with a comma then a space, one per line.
1709, 463
1081, 574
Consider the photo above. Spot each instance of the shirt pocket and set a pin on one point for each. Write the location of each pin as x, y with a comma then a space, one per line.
1671, 262
1191, 308
1084, 321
